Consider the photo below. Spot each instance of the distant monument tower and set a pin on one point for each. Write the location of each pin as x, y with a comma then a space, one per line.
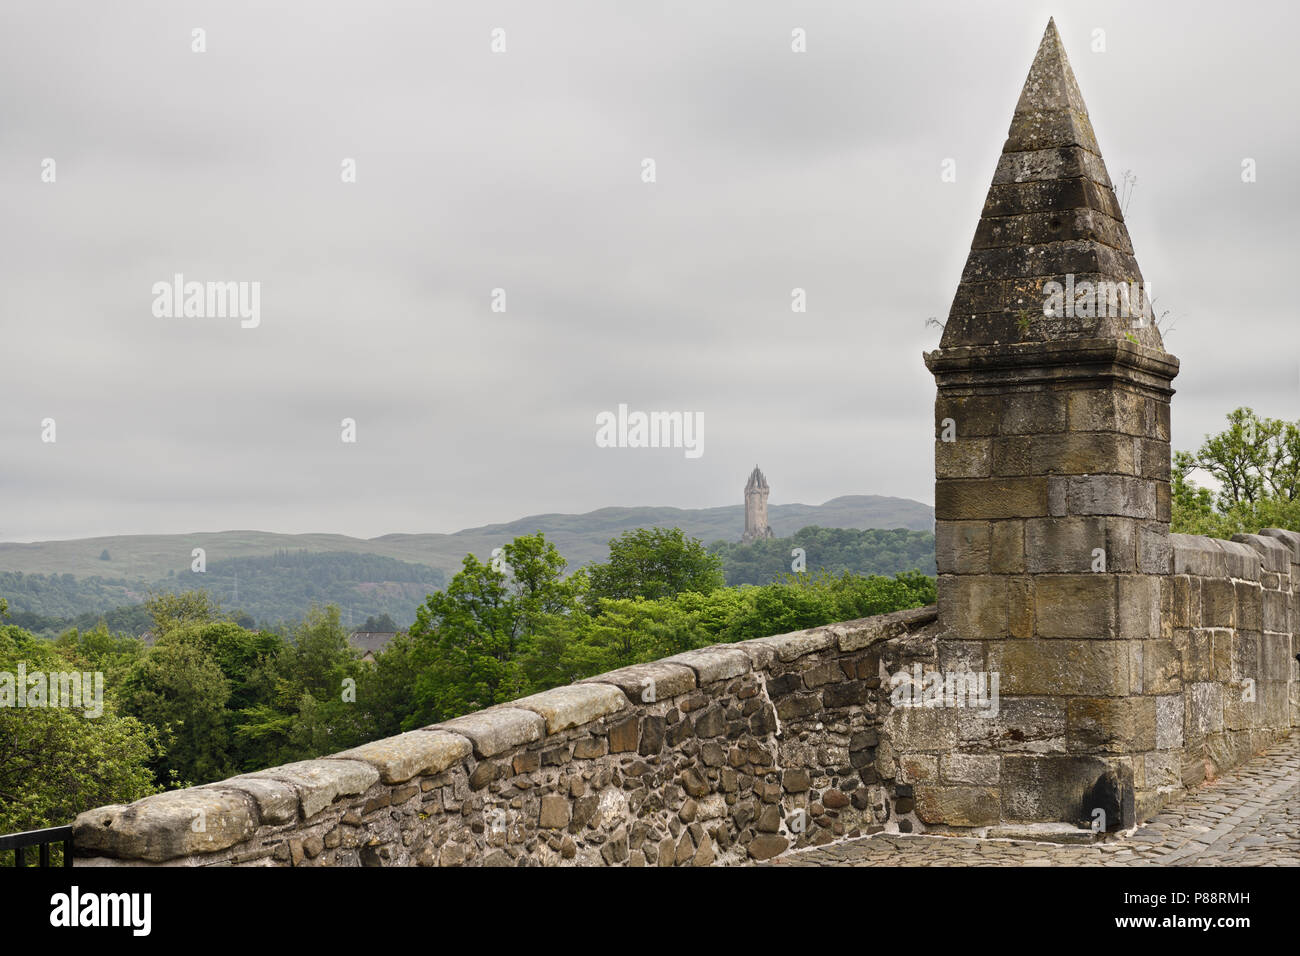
756, 526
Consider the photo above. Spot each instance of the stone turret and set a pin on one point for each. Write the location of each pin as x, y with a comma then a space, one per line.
756, 491
1051, 485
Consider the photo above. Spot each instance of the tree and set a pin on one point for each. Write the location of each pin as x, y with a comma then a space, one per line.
655, 563
180, 691
308, 700
381, 624
56, 762
104, 556
468, 639
1255, 462
170, 611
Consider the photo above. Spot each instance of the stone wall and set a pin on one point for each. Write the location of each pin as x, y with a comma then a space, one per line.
716, 756
1224, 676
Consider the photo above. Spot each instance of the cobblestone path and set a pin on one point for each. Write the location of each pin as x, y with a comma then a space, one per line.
1249, 817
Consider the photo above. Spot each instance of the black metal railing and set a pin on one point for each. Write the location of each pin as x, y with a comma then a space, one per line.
43, 839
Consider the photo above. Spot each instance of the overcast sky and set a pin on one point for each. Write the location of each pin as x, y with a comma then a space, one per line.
522, 171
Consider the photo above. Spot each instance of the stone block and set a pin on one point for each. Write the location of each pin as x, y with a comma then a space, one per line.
1161, 770
920, 729
625, 736
496, 729
1111, 495
1273, 612
973, 605
1059, 666
1151, 458
1083, 453
1027, 724
1012, 456
963, 458
1161, 668
1138, 610
277, 802
167, 825
320, 782
957, 499
1007, 547
1274, 554
713, 663
1243, 561
1075, 605
1289, 538
1065, 545
1197, 555
647, 683
400, 758
1218, 602
573, 705
957, 806
1049, 787
918, 768
972, 415
1020, 606
555, 812
790, 647
1203, 709
855, 635
1037, 413
1275, 656
1248, 615
980, 770
1154, 551
962, 547
1111, 724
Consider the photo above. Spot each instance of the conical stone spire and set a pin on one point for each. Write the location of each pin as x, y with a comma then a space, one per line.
1051, 495
1051, 216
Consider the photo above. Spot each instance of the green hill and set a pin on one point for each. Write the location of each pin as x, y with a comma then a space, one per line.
581, 538
276, 577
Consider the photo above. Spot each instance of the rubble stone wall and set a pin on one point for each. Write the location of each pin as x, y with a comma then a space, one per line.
721, 755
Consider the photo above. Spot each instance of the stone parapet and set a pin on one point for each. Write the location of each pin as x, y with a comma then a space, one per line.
720, 755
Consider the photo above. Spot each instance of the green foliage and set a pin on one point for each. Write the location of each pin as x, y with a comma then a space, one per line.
181, 693
1256, 464
382, 623
625, 631
834, 550
56, 762
655, 563
468, 639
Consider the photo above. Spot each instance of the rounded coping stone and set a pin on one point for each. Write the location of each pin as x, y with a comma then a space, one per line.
649, 682
573, 704
407, 755
163, 826
1197, 555
855, 635
320, 782
1276, 555
496, 729
1290, 538
787, 647
714, 663
277, 801
1243, 561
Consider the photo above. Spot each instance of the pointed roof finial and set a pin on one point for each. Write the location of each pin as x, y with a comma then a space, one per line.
1050, 217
